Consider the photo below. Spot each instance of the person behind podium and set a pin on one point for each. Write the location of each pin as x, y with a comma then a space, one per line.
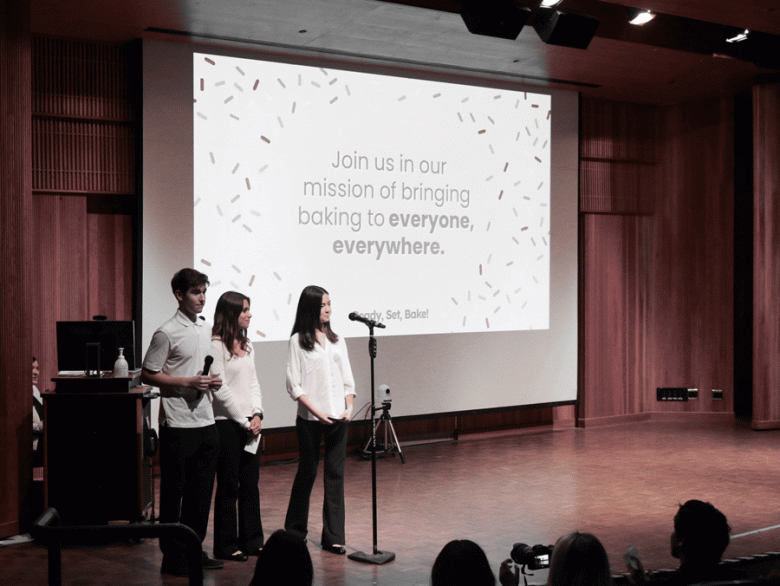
238, 464
319, 379
37, 415
189, 442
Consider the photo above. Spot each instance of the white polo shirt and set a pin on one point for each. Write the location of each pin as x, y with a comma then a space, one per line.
178, 348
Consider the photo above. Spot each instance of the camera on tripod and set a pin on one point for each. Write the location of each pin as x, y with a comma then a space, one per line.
536, 557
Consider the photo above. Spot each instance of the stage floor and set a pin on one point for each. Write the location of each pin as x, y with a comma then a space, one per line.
623, 483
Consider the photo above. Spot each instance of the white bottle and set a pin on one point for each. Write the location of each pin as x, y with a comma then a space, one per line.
120, 366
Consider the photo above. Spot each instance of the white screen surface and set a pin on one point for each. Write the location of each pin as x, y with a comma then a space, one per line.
425, 204
491, 361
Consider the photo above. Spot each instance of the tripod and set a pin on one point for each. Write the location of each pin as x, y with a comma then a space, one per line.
389, 446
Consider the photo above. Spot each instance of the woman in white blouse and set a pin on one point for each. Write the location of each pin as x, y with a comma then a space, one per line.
237, 534
319, 379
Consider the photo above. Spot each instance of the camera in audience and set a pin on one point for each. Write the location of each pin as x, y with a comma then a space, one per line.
536, 557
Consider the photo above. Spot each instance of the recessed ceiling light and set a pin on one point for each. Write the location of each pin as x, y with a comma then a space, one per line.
549, 3
641, 17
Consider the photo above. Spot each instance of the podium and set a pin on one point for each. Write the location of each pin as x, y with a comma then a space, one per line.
96, 464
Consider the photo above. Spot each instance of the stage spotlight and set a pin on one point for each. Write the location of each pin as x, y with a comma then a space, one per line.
739, 38
639, 17
503, 19
565, 29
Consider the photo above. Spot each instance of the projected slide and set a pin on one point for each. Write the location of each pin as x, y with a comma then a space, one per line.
420, 204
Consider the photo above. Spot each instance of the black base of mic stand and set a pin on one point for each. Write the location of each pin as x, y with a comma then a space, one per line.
377, 557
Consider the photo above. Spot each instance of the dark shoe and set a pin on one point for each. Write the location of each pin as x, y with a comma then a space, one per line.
174, 567
210, 564
233, 557
337, 549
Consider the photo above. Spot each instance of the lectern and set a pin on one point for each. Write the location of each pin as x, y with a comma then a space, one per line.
96, 464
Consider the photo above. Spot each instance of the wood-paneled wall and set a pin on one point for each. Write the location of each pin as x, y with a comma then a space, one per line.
692, 275
657, 290
766, 263
616, 140
83, 187
16, 319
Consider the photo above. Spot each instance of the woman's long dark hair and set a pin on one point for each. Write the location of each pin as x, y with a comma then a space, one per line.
307, 318
229, 308
462, 563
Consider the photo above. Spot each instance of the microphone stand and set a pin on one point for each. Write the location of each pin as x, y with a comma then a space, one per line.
378, 557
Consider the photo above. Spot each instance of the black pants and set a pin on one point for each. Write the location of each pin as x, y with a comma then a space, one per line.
188, 459
238, 475
310, 434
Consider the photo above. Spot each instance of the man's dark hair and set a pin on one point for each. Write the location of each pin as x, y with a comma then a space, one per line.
186, 279
703, 530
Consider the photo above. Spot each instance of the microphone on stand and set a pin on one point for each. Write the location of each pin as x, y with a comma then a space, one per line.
369, 322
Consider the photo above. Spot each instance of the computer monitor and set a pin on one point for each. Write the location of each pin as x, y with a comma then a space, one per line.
88, 346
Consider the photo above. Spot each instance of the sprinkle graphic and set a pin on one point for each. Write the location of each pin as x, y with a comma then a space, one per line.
273, 172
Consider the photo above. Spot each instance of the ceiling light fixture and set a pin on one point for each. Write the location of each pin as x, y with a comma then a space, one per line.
639, 17
740, 37
549, 3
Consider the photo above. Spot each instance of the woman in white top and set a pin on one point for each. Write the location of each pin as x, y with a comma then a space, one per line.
319, 379
237, 535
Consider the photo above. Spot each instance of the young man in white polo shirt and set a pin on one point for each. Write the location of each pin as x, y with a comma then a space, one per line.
189, 443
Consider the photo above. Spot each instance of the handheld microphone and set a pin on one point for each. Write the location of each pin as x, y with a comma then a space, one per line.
369, 322
207, 365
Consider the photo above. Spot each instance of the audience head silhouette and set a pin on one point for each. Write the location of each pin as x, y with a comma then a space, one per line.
701, 533
462, 563
579, 559
284, 559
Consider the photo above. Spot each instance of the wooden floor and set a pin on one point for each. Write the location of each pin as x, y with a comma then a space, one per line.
622, 483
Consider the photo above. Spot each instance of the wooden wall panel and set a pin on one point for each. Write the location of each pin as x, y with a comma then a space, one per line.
83, 184
83, 156
614, 264
110, 265
766, 262
81, 80
618, 167
692, 291
657, 292
16, 317
616, 141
